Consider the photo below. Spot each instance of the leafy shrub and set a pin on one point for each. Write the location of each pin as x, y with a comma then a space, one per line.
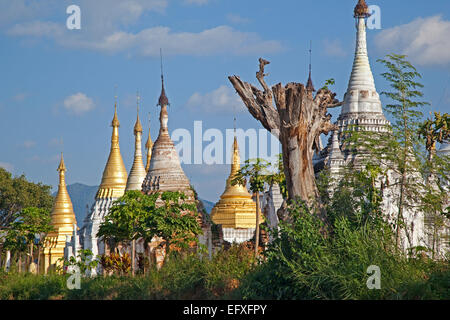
303, 263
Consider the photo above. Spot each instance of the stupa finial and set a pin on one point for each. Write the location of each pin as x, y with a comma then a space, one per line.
163, 100
309, 85
361, 10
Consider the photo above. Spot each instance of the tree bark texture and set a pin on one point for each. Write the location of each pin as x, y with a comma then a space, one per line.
298, 119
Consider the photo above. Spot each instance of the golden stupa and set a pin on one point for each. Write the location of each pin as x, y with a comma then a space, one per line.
114, 180
235, 209
148, 147
63, 222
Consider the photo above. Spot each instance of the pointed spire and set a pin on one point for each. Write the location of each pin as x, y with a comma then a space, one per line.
137, 172
137, 126
115, 121
236, 160
163, 100
309, 85
62, 167
115, 175
62, 215
148, 147
165, 172
361, 95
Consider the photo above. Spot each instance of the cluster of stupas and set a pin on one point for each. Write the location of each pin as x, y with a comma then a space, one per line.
163, 172
235, 212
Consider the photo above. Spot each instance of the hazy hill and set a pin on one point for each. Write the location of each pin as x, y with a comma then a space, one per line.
208, 205
83, 195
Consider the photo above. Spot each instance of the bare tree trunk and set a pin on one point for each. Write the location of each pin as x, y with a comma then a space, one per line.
257, 225
400, 209
298, 120
133, 257
39, 260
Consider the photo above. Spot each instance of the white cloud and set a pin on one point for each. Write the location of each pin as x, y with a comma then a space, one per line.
334, 48
97, 16
78, 104
221, 100
218, 40
105, 25
19, 10
7, 166
106, 16
196, 2
237, 19
424, 40
37, 29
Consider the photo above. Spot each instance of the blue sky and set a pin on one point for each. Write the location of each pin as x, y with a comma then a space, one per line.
59, 84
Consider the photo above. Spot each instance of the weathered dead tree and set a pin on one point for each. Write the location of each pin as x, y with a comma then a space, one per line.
298, 120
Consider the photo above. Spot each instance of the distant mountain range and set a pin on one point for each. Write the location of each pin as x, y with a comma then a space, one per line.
208, 205
83, 195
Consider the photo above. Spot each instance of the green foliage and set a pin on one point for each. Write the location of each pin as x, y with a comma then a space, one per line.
357, 197
116, 263
17, 193
85, 262
435, 130
175, 221
26, 225
256, 170
127, 217
278, 177
302, 263
26, 286
398, 147
329, 82
165, 215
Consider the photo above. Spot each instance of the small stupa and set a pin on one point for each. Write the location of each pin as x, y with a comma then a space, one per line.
137, 172
148, 148
236, 211
63, 221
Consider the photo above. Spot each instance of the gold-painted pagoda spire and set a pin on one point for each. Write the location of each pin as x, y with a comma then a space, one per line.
63, 215
148, 147
137, 172
235, 209
63, 221
114, 180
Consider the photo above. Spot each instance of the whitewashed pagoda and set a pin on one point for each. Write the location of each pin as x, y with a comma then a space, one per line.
362, 108
165, 172
137, 172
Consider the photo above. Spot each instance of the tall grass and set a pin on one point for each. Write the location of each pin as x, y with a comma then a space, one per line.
182, 277
305, 263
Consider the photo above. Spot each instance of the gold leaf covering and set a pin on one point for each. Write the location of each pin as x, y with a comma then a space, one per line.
235, 209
